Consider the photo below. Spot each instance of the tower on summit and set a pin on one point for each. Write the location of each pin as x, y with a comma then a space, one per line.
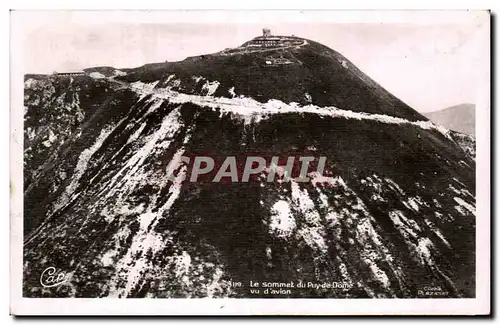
266, 32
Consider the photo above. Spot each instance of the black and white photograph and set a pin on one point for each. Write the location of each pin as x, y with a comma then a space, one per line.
211, 155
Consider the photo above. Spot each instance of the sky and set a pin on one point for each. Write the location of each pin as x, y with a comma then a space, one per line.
430, 61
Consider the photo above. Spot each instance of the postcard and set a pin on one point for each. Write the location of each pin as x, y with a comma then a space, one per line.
250, 162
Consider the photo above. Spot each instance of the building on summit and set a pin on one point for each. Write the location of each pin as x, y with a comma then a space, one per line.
269, 40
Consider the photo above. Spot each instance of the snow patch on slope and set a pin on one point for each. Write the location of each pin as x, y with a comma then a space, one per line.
282, 222
81, 167
464, 206
210, 87
312, 233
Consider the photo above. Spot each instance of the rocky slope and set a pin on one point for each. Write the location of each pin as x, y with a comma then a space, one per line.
466, 142
394, 211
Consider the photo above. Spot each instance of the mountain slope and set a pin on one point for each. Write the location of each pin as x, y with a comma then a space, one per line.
393, 212
459, 118
316, 75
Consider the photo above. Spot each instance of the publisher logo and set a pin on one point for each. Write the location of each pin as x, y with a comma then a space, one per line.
51, 278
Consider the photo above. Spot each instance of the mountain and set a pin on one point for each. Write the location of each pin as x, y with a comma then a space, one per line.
465, 141
461, 118
392, 214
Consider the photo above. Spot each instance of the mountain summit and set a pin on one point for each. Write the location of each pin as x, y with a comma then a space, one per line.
394, 212
286, 68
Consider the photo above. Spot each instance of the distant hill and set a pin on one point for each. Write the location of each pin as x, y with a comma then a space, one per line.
459, 118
